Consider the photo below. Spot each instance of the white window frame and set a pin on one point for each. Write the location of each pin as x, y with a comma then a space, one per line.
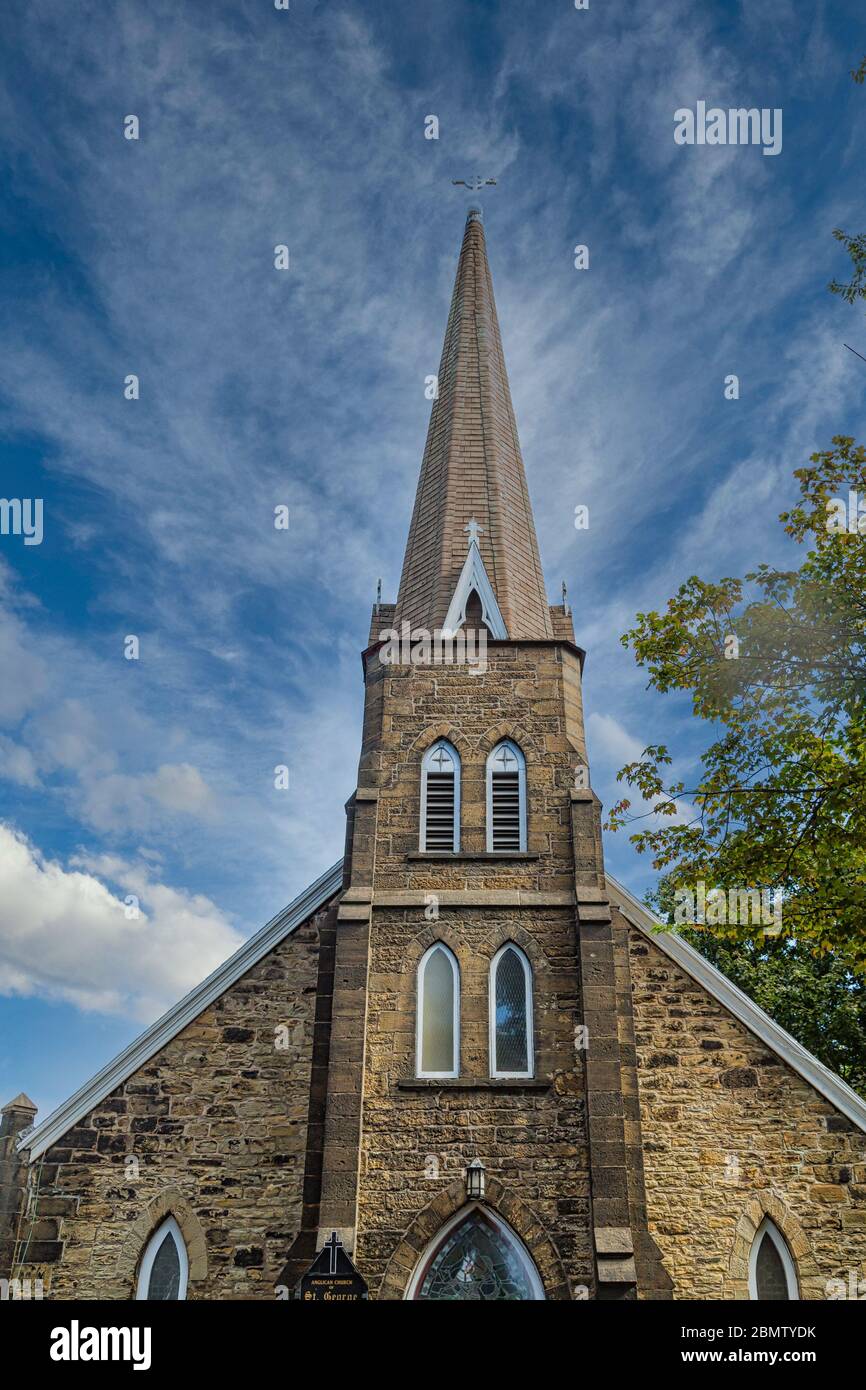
150, 1254
425, 761
530, 1024
521, 792
419, 1013
505, 1230
769, 1227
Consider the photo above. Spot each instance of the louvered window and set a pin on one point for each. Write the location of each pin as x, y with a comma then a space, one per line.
506, 798
440, 798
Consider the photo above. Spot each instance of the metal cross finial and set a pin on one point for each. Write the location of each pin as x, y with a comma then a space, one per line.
474, 185
332, 1245
474, 530
379, 594
564, 598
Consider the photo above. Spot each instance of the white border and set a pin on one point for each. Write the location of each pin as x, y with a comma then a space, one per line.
831, 1087
455, 756
168, 1225
521, 794
495, 1220
491, 1009
768, 1227
419, 1011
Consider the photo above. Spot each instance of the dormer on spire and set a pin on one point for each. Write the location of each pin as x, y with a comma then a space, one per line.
474, 579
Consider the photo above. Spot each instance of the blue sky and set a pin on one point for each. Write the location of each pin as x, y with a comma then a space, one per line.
258, 127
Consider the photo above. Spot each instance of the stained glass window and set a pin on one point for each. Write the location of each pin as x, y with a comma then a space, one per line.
511, 1006
165, 1271
437, 997
771, 1279
478, 1261
164, 1265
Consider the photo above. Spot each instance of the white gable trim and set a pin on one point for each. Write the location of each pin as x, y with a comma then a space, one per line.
149, 1043
474, 576
831, 1087
37, 1140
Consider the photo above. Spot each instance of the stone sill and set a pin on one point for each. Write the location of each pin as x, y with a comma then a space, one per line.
472, 1083
503, 856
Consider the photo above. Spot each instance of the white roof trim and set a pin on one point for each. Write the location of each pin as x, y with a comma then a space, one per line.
832, 1087
474, 576
158, 1034
154, 1038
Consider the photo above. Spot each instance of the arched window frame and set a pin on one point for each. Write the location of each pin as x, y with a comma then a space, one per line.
425, 764
150, 1252
419, 1012
521, 792
769, 1227
465, 1214
495, 1070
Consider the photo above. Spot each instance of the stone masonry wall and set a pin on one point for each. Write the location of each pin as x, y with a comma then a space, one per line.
217, 1121
731, 1134
419, 1136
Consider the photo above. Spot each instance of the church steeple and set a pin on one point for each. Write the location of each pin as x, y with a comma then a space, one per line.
472, 472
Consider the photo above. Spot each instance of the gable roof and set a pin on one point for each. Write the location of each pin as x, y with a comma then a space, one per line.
831, 1086
155, 1037
158, 1034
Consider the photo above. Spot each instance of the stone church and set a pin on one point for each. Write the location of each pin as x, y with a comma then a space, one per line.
465, 1049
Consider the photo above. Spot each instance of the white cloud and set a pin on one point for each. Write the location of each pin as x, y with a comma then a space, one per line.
64, 934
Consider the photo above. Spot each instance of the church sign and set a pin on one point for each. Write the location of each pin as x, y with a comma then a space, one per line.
332, 1278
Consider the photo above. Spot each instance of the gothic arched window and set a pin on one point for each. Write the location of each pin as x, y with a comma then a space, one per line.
476, 1258
510, 1013
440, 798
772, 1273
506, 798
164, 1264
438, 1013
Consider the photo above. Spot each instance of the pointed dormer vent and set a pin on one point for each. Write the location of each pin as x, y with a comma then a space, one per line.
474, 583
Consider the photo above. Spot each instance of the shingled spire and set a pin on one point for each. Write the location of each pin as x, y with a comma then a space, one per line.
472, 471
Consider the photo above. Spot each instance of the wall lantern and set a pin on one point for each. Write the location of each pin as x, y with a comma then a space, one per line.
475, 1181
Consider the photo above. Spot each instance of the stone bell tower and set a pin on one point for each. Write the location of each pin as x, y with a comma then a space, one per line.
558, 1138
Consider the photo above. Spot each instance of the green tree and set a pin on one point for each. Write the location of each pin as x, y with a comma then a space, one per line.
854, 245
811, 993
776, 665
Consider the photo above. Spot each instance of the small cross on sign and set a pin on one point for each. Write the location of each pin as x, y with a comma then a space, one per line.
332, 1245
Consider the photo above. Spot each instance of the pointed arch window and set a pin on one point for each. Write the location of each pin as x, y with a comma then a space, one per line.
506, 798
164, 1265
440, 798
510, 1013
476, 1258
772, 1272
437, 1041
